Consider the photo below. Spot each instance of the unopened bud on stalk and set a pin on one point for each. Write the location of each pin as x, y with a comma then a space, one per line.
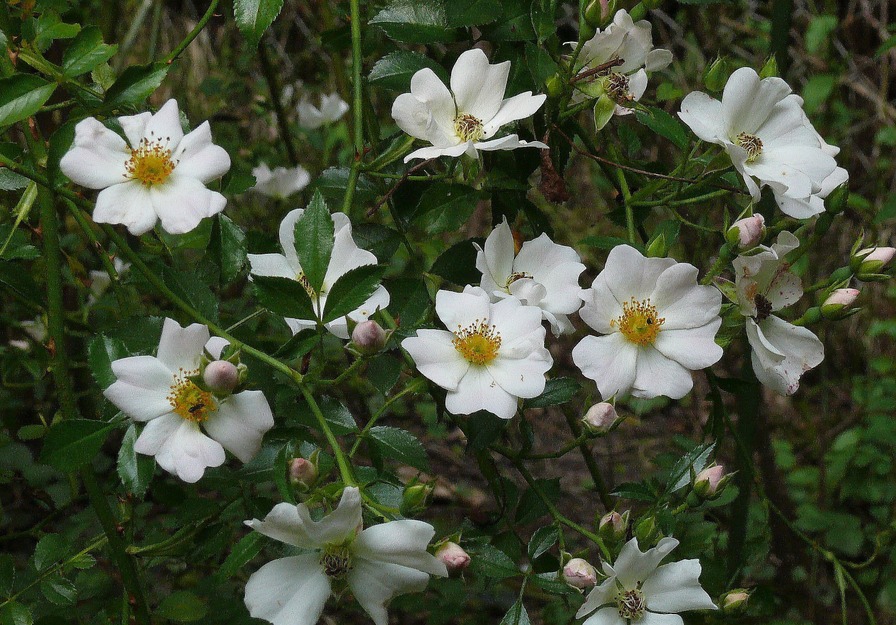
716, 74
770, 69
600, 418
221, 376
579, 574
302, 473
613, 526
746, 233
646, 530
838, 303
453, 557
599, 12
870, 262
734, 601
554, 86
369, 337
415, 498
711, 481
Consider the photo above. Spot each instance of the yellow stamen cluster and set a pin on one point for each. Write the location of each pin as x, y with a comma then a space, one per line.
468, 127
188, 400
150, 163
752, 144
639, 322
631, 604
478, 343
301, 279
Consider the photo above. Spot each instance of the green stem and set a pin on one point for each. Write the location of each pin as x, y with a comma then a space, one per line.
176, 52
98, 248
357, 107
270, 76
414, 386
345, 469
725, 254
596, 476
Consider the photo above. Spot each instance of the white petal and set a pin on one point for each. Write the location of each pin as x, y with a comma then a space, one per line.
606, 616
128, 204
478, 86
510, 142
682, 302
215, 346
600, 307
283, 523
156, 433
478, 390
519, 326
142, 388
197, 157
164, 126
675, 587
416, 118
703, 115
181, 203
288, 591
429, 89
462, 309
694, 348
658, 59
346, 255
801, 349
180, 348
134, 127
557, 268
187, 452
747, 102
633, 566
522, 377
611, 361
97, 157
375, 583
601, 594
520, 106
658, 375
401, 542
652, 618
274, 265
434, 152
240, 423
630, 275
436, 357
495, 261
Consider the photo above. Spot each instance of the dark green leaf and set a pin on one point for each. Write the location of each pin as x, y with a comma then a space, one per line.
135, 84
284, 297
60, 143
333, 182
182, 606
482, 429
86, 52
246, 549
7, 574
59, 590
50, 549
634, 490
135, 470
70, 444
540, 63
472, 12
253, 17
543, 539
543, 19
228, 246
695, 460
383, 372
664, 125
531, 505
394, 71
190, 287
299, 345
556, 391
314, 233
491, 562
445, 207
376, 239
515, 24
412, 21
15, 614
100, 354
351, 290
400, 445
21, 96
457, 264
338, 416
516, 615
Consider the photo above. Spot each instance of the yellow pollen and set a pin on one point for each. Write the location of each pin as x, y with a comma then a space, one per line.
639, 322
478, 342
751, 143
188, 400
468, 127
150, 163
301, 279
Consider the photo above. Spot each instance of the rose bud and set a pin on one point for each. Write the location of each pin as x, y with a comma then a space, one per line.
746, 233
613, 526
221, 376
453, 557
870, 263
579, 574
302, 473
711, 481
369, 337
837, 304
734, 601
415, 498
600, 418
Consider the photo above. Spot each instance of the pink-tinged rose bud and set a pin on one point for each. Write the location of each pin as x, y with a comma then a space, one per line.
453, 557
600, 418
579, 574
747, 233
837, 304
221, 376
734, 601
302, 473
869, 263
613, 526
709, 483
369, 337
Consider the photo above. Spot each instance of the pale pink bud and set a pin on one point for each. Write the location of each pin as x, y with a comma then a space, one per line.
747, 233
883, 255
709, 483
838, 302
453, 557
221, 376
600, 418
302, 472
734, 601
613, 526
369, 337
870, 262
579, 574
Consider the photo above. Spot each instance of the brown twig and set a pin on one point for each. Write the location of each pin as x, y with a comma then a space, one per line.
596, 70
373, 209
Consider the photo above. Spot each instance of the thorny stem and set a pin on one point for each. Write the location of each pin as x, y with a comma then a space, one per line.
176, 52
599, 484
345, 470
357, 107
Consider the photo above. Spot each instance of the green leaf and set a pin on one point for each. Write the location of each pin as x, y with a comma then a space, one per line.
253, 17
379, 240
100, 354
515, 24
314, 234
351, 290
228, 246
246, 549
284, 297
556, 391
86, 52
457, 264
695, 460
664, 125
15, 614
299, 345
819, 31
472, 12
604, 108
412, 21
337, 416
7, 574
21, 96
72, 443
445, 207
135, 470
31, 432
189, 286
400, 445
817, 90
50, 549
491, 562
634, 490
516, 615
135, 84
182, 606
394, 71
59, 590
543, 539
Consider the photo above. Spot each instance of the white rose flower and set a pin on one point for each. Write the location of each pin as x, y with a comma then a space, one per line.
782, 352
543, 274
631, 44
765, 131
493, 355
161, 175
281, 182
638, 590
346, 255
157, 390
657, 323
331, 109
376, 564
461, 120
